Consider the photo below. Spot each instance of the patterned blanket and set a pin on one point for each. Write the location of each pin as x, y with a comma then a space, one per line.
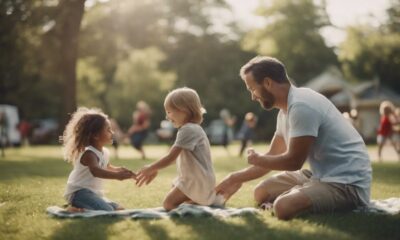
184, 210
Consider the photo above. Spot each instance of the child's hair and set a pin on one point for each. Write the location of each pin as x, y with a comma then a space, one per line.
386, 107
250, 116
84, 124
188, 101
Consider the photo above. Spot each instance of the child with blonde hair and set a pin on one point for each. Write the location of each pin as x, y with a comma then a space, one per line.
196, 180
83, 145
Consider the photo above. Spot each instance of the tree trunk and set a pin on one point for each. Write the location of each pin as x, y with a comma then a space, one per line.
68, 27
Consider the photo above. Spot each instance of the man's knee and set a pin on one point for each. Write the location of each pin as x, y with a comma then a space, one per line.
260, 194
289, 205
282, 209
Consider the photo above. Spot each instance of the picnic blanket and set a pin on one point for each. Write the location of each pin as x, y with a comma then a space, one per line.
384, 206
184, 210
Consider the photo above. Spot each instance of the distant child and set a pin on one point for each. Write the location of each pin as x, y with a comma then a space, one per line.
83, 140
246, 132
396, 129
385, 130
140, 125
196, 180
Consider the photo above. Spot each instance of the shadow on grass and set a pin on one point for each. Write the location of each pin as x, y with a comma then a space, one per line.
95, 228
360, 225
154, 231
252, 227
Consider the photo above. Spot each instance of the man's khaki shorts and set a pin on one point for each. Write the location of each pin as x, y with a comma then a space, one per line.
325, 197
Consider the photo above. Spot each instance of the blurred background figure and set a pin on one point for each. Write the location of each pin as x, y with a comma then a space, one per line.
385, 130
118, 136
25, 129
396, 130
166, 132
3, 133
228, 121
246, 132
140, 126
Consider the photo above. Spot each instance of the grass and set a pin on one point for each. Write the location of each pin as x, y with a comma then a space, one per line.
33, 178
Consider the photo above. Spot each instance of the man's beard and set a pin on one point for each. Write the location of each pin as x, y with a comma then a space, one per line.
267, 100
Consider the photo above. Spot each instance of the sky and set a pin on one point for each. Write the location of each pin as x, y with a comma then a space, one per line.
341, 12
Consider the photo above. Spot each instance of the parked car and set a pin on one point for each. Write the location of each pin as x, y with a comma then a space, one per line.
215, 132
45, 131
166, 132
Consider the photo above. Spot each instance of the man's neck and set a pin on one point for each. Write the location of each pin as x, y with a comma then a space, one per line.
282, 96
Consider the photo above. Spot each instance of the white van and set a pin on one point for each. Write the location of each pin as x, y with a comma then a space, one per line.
13, 136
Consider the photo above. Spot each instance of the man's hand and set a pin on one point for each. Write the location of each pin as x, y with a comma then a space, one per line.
145, 176
228, 186
253, 157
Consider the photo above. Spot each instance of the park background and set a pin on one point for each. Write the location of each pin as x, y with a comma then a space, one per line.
60, 54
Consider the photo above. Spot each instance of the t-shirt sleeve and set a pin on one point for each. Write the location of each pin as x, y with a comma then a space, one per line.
186, 138
303, 121
279, 122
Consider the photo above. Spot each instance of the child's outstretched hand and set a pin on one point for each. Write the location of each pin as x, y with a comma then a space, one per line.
145, 176
124, 173
123, 169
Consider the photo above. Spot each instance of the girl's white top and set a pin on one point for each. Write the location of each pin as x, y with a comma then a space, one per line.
196, 177
81, 177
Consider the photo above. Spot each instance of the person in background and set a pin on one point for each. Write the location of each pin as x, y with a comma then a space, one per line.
25, 129
140, 126
246, 132
228, 121
385, 129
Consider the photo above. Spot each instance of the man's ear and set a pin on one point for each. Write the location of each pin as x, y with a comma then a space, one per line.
267, 83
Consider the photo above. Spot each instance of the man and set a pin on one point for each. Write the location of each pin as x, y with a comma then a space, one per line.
309, 127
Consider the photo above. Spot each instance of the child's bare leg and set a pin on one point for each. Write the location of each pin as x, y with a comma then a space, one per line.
174, 198
380, 146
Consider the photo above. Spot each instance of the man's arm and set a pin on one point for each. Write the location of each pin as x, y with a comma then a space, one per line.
277, 147
231, 183
291, 160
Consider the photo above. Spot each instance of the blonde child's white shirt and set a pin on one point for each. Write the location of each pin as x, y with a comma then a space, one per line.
196, 178
81, 177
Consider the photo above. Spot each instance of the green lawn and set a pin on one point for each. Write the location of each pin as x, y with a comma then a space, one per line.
34, 178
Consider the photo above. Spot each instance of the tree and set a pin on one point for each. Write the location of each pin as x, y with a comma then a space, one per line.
374, 52
292, 34
67, 28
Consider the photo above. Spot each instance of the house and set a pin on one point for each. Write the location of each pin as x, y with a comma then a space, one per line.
362, 100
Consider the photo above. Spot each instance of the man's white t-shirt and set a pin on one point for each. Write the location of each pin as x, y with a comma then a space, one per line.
339, 154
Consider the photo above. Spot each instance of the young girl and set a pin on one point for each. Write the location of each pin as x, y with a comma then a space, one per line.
84, 138
196, 180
